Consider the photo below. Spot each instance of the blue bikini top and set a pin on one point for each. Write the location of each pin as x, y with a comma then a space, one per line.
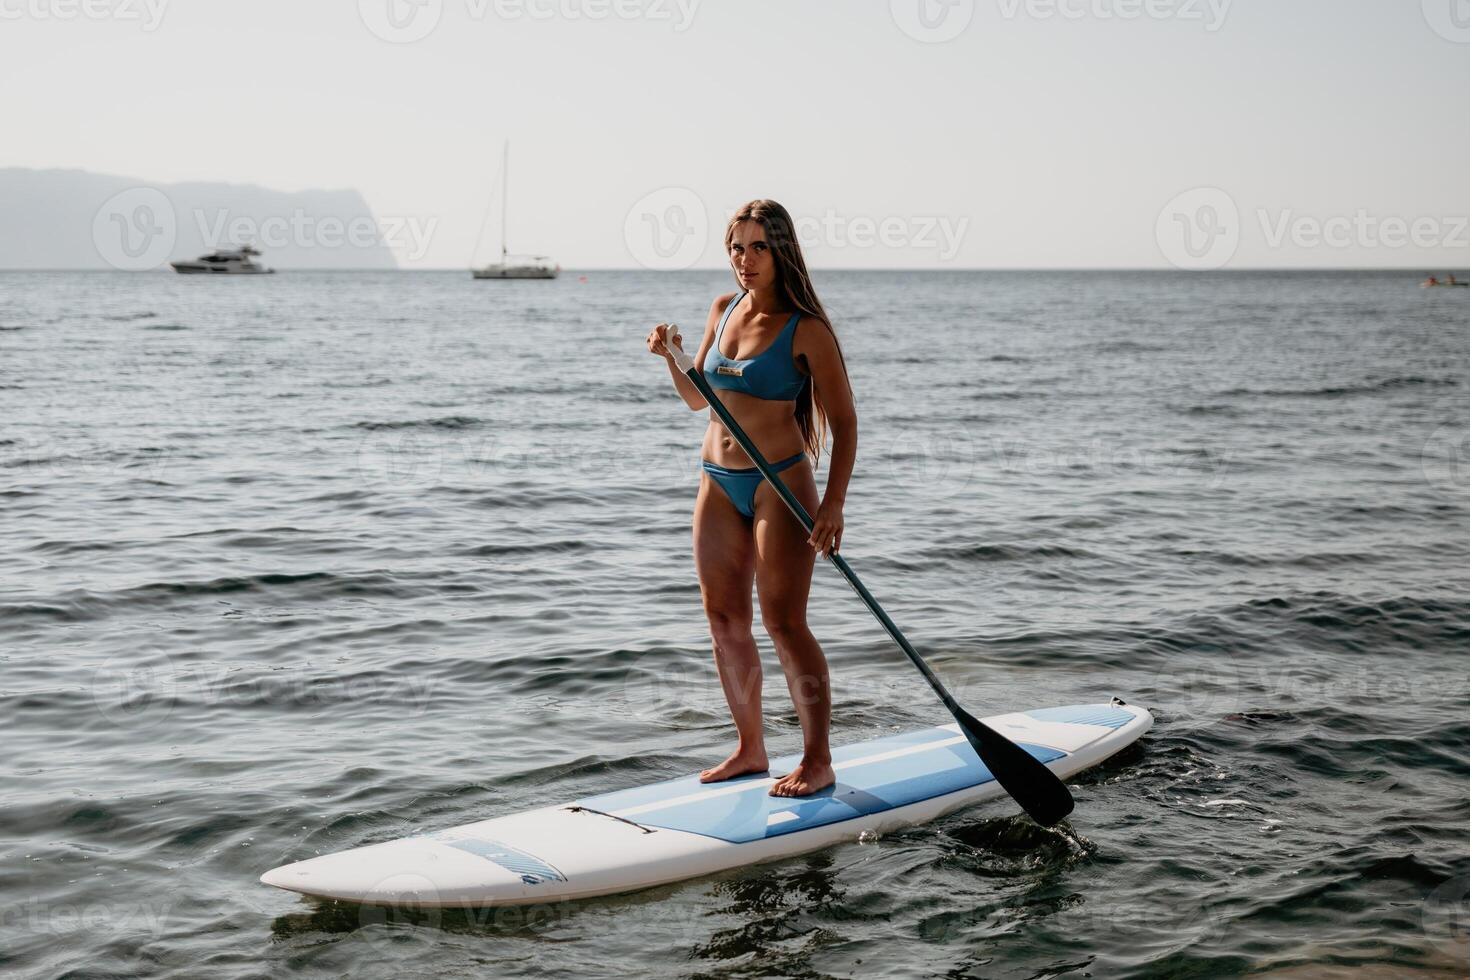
771, 374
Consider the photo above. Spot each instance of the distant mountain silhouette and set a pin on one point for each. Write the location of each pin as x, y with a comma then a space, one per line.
73, 219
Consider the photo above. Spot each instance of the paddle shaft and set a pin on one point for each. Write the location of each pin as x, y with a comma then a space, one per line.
686, 365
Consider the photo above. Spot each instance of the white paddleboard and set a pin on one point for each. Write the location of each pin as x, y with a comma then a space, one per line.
682, 828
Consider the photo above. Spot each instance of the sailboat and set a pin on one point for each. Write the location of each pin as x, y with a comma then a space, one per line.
513, 266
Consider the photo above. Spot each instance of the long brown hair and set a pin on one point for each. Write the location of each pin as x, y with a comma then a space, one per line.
793, 283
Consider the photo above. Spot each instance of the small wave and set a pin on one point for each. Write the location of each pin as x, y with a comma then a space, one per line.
1322, 559
1225, 411
1002, 396
1322, 884
167, 327
1127, 347
508, 550
340, 496
1004, 552
82, 605
128, 317
447, 422
540, 498
1340, 391
73, 547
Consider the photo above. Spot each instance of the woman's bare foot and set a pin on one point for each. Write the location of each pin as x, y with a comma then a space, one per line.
808, 777
742, 762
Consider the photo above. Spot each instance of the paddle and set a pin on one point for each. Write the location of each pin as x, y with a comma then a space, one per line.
1038, 790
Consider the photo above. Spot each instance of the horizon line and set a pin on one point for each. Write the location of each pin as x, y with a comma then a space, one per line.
586, 269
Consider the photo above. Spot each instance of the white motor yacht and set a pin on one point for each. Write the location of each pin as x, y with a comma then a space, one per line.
226, 261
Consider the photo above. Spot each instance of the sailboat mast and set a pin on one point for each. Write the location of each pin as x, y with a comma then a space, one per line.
504, 197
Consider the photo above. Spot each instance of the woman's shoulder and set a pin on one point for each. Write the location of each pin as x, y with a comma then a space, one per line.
814, 330
723, 301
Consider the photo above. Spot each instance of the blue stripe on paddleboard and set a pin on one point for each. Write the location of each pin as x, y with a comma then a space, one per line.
742, 815
1104, 715
685, 785
533, 870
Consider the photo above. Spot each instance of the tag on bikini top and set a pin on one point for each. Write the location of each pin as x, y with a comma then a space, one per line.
727, 369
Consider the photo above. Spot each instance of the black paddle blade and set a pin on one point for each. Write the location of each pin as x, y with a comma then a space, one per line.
1038, 790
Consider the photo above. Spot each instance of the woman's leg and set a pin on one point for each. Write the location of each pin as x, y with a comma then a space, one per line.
724, 555
783, 579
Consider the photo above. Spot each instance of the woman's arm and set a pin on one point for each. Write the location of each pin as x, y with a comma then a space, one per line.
818, 345
686, 388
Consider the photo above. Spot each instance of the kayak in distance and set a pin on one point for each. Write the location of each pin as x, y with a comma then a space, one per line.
665, 832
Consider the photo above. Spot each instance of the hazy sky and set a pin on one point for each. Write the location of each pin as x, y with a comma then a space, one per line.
948, 133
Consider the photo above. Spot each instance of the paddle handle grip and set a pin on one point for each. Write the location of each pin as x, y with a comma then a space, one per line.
682, 360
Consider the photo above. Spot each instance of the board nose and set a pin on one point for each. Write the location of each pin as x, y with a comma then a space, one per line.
414, 871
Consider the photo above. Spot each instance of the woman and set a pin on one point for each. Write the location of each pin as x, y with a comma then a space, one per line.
771, 354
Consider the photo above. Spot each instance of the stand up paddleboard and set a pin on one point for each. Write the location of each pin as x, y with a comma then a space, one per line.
682, 828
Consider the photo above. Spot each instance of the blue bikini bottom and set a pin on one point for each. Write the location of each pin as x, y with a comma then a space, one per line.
740, 485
